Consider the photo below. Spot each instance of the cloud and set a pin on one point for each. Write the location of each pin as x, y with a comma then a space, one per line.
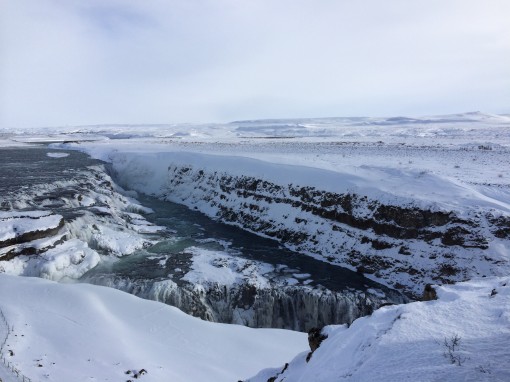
112, 61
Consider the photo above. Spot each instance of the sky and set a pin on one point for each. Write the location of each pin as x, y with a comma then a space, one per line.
75, 62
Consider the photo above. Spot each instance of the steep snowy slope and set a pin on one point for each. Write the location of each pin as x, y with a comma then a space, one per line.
79, 332
463, 336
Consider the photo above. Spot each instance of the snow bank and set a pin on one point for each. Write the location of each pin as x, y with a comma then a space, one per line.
415, 342
61, 262
6, 142
146, 171
82, 332
218, 267
16, 224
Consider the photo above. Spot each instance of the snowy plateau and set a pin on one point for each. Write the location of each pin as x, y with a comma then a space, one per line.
394, 203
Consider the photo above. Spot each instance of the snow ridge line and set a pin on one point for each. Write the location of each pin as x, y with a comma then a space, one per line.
377, 338
8, 365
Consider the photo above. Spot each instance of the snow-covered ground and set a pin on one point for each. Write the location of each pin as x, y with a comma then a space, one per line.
462, 336
453, 164
386, 153
81, 332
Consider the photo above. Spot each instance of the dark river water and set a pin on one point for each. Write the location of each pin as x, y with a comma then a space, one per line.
195, 229
23, 168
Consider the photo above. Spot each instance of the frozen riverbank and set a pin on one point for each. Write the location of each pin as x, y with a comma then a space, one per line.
406, 228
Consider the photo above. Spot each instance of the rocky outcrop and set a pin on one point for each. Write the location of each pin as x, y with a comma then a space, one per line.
315, 338
20, 231
343, 211
501, 227
33, 234
429, 293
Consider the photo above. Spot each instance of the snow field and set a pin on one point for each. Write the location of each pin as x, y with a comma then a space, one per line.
88, 333
413, 342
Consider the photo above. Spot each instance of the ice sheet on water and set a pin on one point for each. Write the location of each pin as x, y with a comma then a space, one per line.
57, 155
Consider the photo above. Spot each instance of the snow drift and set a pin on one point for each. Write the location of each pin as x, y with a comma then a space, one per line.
463, 336
82, 332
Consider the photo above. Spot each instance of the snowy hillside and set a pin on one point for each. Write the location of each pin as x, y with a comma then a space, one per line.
463, 336
80, 332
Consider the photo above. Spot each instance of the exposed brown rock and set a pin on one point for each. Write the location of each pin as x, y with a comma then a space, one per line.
315, 338
32, 235
429, 293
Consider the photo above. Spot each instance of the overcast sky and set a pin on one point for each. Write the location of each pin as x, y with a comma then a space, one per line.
70, 62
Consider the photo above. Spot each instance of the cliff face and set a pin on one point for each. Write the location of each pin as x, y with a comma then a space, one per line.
225, 287
397, 240
270, 306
